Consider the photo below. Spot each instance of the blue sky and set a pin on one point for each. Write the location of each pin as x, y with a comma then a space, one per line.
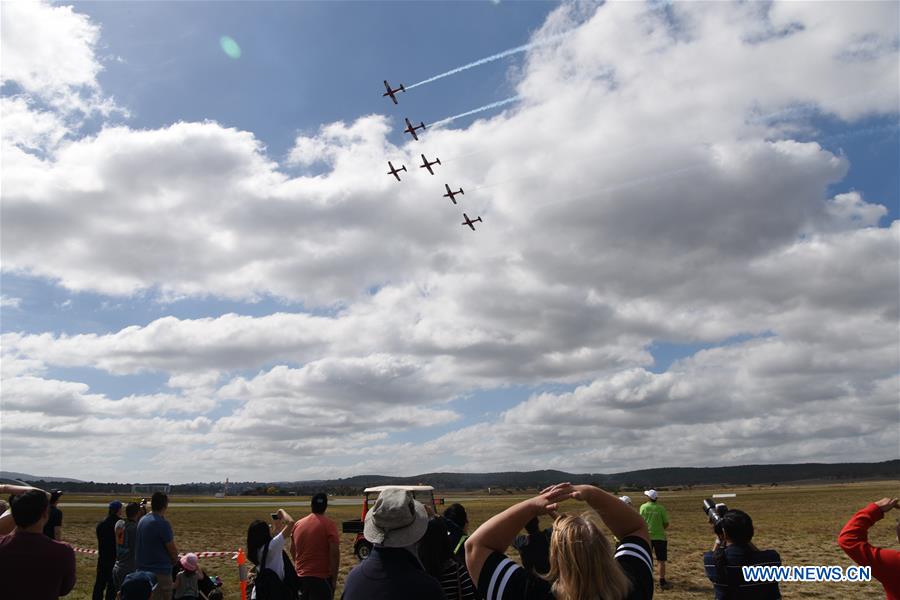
549, 319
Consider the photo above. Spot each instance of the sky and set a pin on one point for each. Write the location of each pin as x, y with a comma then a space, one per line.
688, 253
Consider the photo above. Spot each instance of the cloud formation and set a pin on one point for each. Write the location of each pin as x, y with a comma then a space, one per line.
650, 187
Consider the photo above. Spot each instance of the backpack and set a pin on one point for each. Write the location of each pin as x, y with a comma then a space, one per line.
268, 585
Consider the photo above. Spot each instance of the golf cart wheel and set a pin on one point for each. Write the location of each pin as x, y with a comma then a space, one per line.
362, 550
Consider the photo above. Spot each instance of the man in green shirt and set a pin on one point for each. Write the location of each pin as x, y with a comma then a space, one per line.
657, 520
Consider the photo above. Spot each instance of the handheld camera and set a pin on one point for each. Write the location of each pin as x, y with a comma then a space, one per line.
714, 513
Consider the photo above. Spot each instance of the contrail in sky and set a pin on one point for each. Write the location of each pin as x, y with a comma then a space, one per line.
491, 58
477, 110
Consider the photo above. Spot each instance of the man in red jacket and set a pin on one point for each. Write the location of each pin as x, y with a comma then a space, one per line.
854, 541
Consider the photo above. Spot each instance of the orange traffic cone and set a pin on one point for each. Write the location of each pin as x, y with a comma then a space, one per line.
243, 572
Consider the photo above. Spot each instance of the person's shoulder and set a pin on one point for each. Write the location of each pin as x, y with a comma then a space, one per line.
327, 521
501, 578
61, 547
767, 556
633, 554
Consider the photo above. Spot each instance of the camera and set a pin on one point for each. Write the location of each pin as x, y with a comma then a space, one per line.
274, 516
714, 513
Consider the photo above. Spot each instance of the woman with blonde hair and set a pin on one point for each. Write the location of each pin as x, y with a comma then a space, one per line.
583, 563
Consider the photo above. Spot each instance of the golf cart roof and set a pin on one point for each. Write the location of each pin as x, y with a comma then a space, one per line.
410, 488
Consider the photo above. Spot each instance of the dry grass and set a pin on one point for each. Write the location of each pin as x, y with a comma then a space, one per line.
800, 522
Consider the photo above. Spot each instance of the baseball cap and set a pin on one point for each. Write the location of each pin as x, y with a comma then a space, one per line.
137, 586
115, 505
651, 494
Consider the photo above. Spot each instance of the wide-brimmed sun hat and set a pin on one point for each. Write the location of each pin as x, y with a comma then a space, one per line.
396, 520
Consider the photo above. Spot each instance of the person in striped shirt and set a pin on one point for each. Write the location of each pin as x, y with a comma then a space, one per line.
436, 553
582, 561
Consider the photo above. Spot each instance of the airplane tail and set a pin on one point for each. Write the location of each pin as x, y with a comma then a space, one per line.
402, 89
437, 160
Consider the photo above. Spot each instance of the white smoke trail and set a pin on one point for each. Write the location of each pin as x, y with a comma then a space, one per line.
492, 58
474, 111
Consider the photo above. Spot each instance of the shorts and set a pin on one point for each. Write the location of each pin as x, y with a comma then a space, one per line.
660, 549
165, 587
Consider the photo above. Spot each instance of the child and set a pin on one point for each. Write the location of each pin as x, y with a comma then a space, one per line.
186, 582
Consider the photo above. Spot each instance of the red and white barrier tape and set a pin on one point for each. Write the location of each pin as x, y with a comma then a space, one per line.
230, 554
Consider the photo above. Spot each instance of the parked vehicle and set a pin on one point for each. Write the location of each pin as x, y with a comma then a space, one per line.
361, 546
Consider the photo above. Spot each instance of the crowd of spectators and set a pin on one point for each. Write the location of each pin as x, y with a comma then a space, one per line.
416, 554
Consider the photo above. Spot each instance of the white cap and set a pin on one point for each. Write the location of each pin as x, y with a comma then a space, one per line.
626, 500
651, 494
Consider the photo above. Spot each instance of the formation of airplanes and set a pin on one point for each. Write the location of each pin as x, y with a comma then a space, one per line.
411, 130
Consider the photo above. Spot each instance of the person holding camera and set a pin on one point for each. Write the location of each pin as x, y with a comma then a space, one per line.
732, 551
854, 541
274, 579
53, 528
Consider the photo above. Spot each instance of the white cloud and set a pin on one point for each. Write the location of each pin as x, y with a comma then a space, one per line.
10, 302
646, 189
49, 51
30, 129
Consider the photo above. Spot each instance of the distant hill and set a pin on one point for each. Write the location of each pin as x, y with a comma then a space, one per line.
27, 477
662, 477
519, 481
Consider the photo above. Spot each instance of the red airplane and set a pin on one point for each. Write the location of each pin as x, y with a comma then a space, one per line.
391, 92
470, 222
427, 165
451, 195
394, 171
412, 130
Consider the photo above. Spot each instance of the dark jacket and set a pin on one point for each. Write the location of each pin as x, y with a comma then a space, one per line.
391, 574
106, 539
729, 583
534, 549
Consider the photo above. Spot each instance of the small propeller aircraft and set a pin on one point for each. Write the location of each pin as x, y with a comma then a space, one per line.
391, 92
412, 130
470, 222
451, 194
395, 171
427, 165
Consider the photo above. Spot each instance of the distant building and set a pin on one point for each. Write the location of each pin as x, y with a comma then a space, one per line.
224, 491
147, 489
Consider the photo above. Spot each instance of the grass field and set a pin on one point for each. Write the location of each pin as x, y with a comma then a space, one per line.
800, 522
